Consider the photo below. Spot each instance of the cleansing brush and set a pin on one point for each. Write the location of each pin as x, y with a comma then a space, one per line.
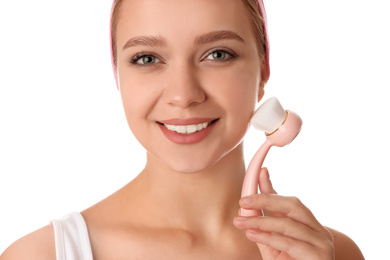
280, 127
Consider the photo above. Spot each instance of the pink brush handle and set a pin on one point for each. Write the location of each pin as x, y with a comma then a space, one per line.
251, 180
283, 136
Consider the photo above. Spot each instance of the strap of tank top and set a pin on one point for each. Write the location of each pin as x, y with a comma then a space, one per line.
71, 238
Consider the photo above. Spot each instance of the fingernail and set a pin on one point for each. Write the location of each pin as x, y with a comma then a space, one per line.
241, 218
252, 231
246, 201
268, 177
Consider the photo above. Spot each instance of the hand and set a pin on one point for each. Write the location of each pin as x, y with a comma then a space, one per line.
288, 229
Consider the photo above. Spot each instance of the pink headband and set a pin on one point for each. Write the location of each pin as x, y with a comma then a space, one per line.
260, 4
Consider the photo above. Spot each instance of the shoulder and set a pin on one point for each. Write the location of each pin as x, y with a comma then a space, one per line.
345, 247
39, 244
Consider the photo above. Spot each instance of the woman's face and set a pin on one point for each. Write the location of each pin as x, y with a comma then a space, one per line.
190, 76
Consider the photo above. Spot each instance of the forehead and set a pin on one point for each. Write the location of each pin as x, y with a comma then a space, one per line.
187, 18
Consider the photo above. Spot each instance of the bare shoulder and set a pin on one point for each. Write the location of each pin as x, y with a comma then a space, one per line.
345, 247
36, 245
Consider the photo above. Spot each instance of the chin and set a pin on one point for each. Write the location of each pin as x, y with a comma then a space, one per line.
203, 162
191, 165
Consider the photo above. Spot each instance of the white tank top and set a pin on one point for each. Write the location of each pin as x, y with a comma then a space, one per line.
71, 238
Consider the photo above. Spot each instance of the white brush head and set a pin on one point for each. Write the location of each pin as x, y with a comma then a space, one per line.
269, 116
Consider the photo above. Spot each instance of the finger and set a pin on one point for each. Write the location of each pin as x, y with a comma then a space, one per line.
266, 187
265, 184
283, 226
294, 248
290, 207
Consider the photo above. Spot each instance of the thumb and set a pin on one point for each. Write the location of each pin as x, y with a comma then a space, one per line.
265, 182
266, 188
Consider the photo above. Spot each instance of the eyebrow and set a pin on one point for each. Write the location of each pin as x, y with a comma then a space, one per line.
217, 36
158, 41
149, 41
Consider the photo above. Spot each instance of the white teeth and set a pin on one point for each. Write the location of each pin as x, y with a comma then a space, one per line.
182, 129
191, 129
187, 129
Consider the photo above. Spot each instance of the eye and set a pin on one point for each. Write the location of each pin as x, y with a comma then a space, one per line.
144, 59
220, 55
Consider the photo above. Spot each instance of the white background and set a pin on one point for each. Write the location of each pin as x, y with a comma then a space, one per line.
65, 144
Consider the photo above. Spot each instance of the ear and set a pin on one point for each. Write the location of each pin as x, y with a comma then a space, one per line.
260, 92
263, 82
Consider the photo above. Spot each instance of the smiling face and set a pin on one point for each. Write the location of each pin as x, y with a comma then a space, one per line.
189, 76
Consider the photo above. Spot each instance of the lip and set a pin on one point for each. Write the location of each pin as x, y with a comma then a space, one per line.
193, 138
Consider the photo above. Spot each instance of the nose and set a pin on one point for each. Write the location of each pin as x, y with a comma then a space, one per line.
183, 88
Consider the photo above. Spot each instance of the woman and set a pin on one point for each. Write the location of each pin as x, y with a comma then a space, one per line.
190, 74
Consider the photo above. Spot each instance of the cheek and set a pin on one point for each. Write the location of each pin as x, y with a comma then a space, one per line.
236, 90
138, 98
243, 94
139, 95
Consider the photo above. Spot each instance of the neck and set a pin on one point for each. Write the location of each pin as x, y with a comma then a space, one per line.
193, 201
